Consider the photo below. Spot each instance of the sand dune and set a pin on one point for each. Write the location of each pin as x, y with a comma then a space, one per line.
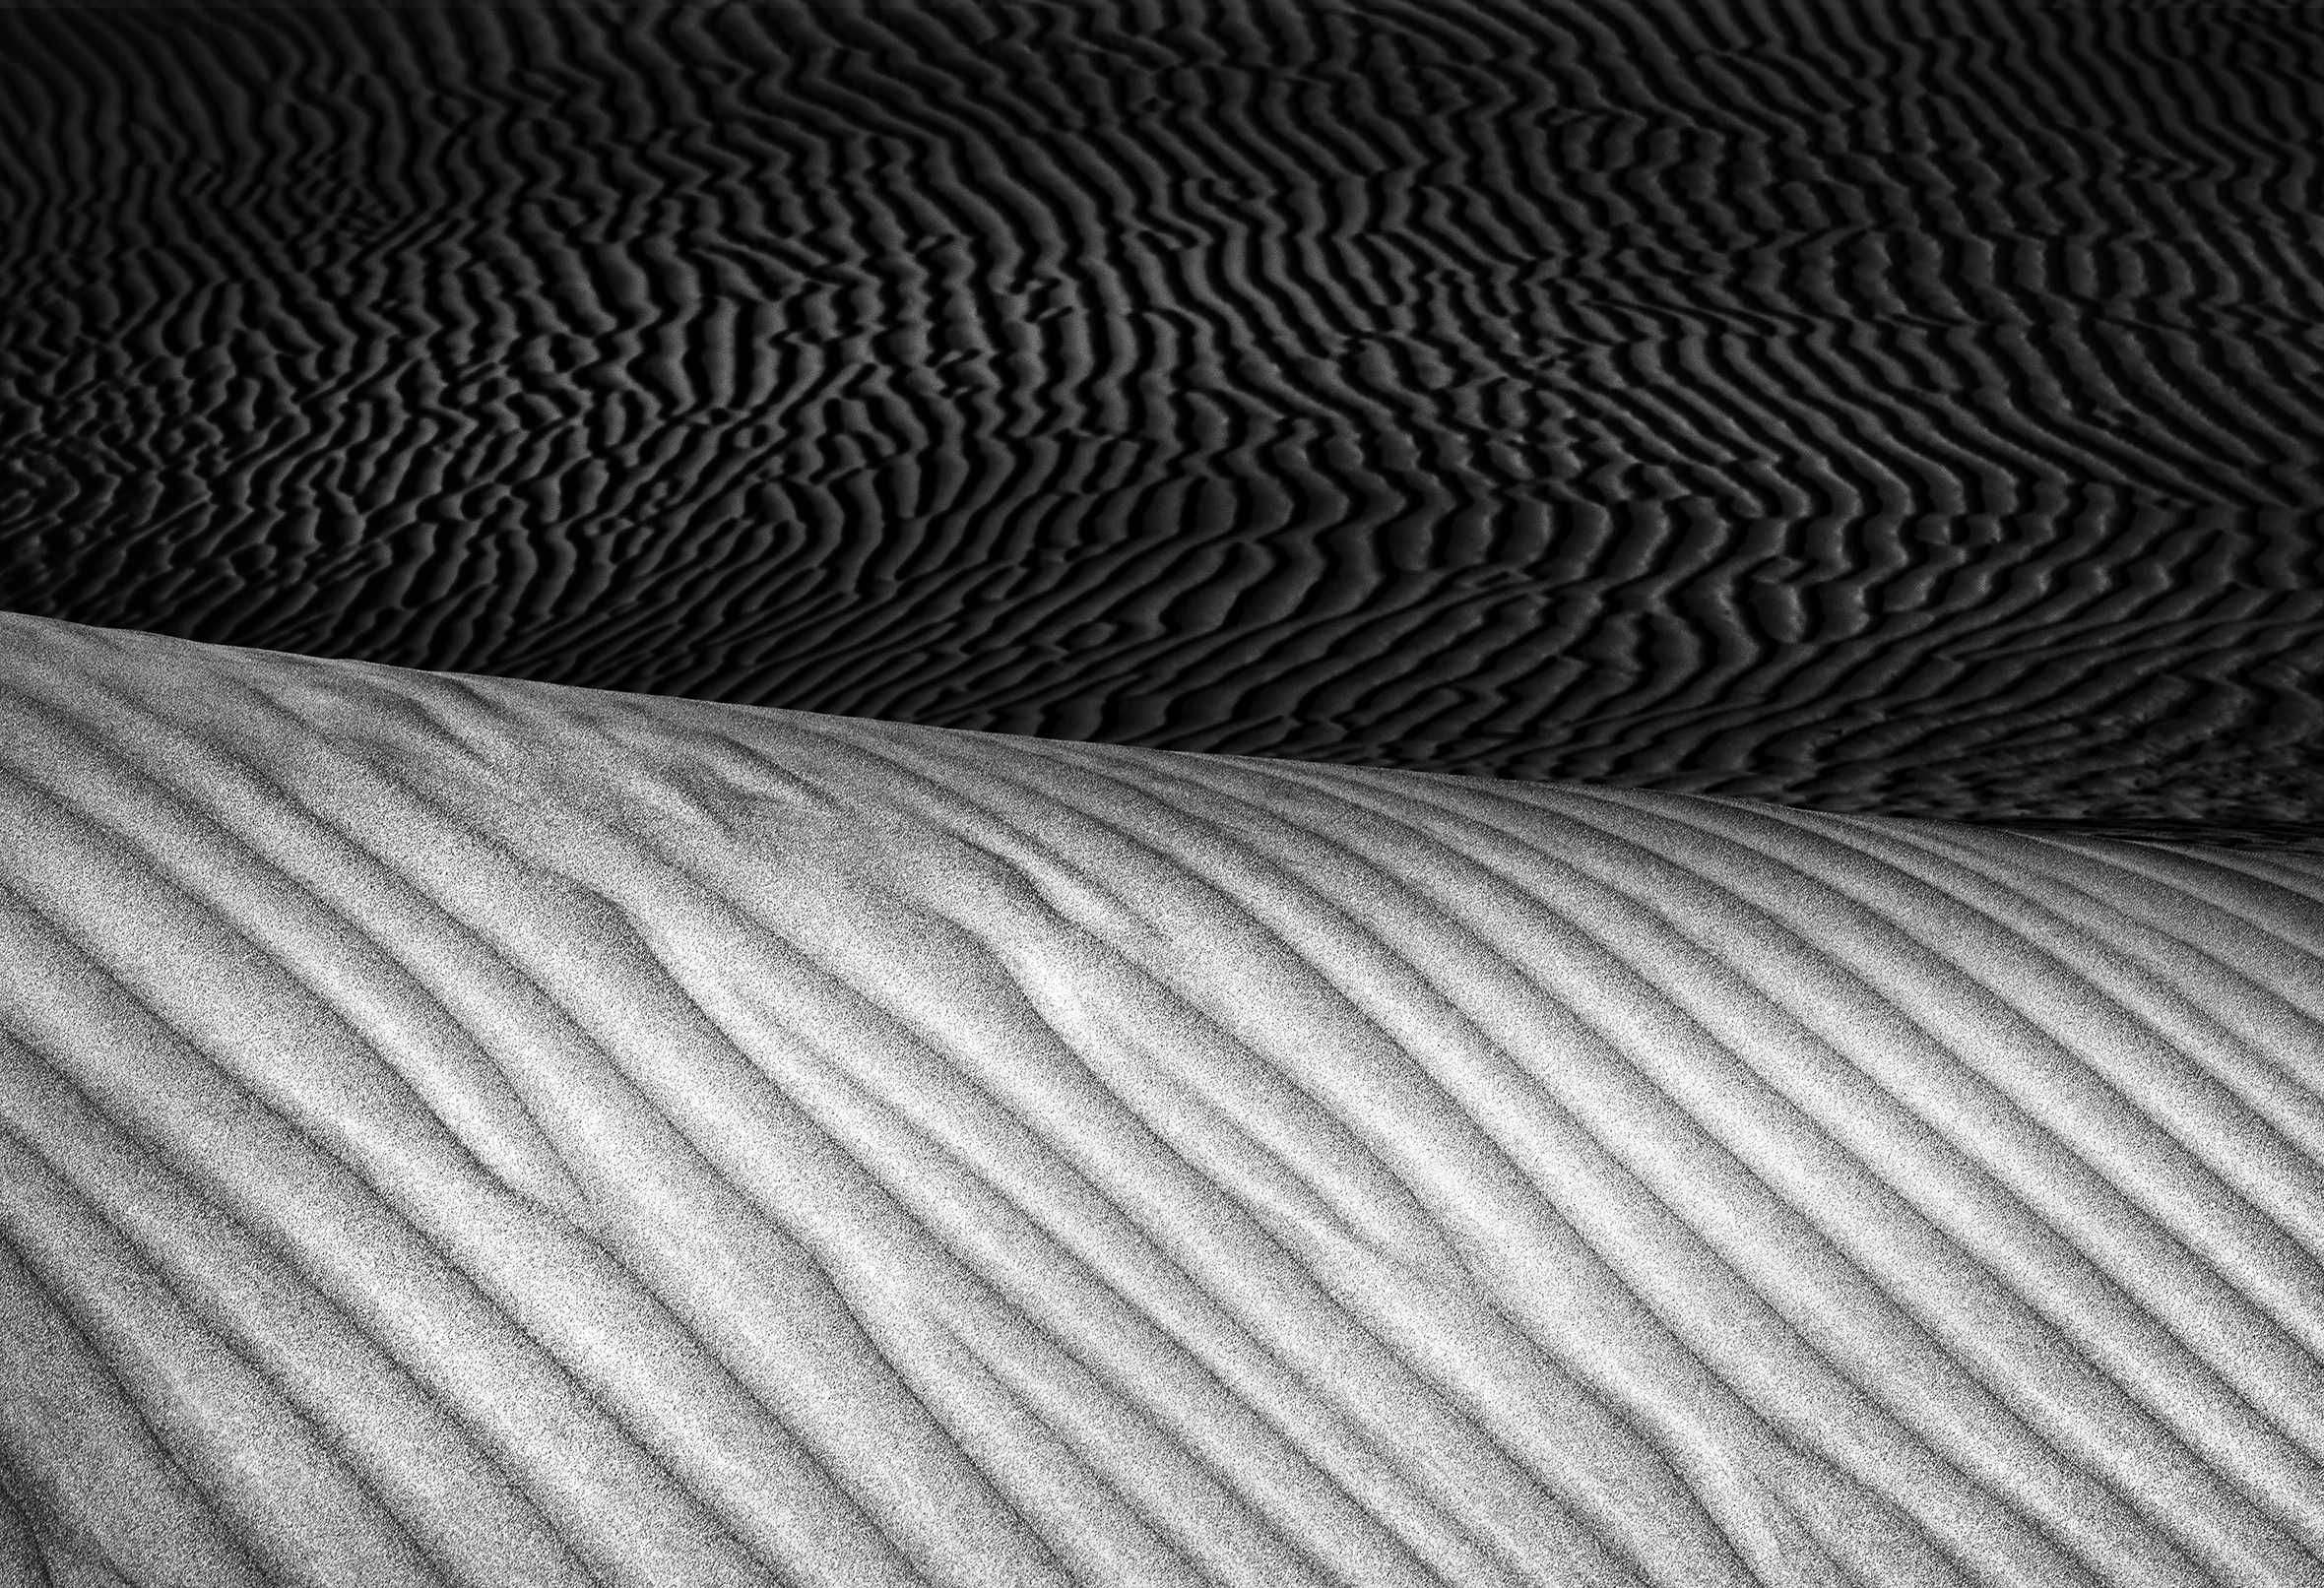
470, 1131
474, 1131
1905, 406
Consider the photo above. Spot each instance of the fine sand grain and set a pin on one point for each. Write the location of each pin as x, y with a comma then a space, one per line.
473, 1131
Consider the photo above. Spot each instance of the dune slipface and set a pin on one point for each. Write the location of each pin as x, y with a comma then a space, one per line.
471, 1132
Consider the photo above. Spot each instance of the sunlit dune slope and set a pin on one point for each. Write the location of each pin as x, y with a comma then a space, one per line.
475, 1131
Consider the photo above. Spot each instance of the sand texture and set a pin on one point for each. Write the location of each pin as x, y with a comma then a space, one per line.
482, 1132
1887, 406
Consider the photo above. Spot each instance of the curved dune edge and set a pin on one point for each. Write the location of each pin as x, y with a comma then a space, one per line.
476, 1131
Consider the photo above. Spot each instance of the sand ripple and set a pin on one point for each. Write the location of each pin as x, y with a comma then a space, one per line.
468, 1131
1907, 408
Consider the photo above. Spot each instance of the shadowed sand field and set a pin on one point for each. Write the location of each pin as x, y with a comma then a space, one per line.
1887, 406
482, 1132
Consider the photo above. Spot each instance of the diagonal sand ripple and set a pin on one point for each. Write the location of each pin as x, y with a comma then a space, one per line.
482, 1132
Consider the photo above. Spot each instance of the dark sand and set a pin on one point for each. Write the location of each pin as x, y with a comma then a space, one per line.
1907, 407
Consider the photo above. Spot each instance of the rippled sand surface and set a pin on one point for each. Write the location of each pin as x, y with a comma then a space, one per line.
1897, 407
481, 1132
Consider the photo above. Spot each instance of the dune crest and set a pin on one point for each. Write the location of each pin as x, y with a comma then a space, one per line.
472, 1131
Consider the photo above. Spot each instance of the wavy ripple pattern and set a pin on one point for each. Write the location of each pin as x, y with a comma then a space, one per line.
1907, 407
478, 1132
